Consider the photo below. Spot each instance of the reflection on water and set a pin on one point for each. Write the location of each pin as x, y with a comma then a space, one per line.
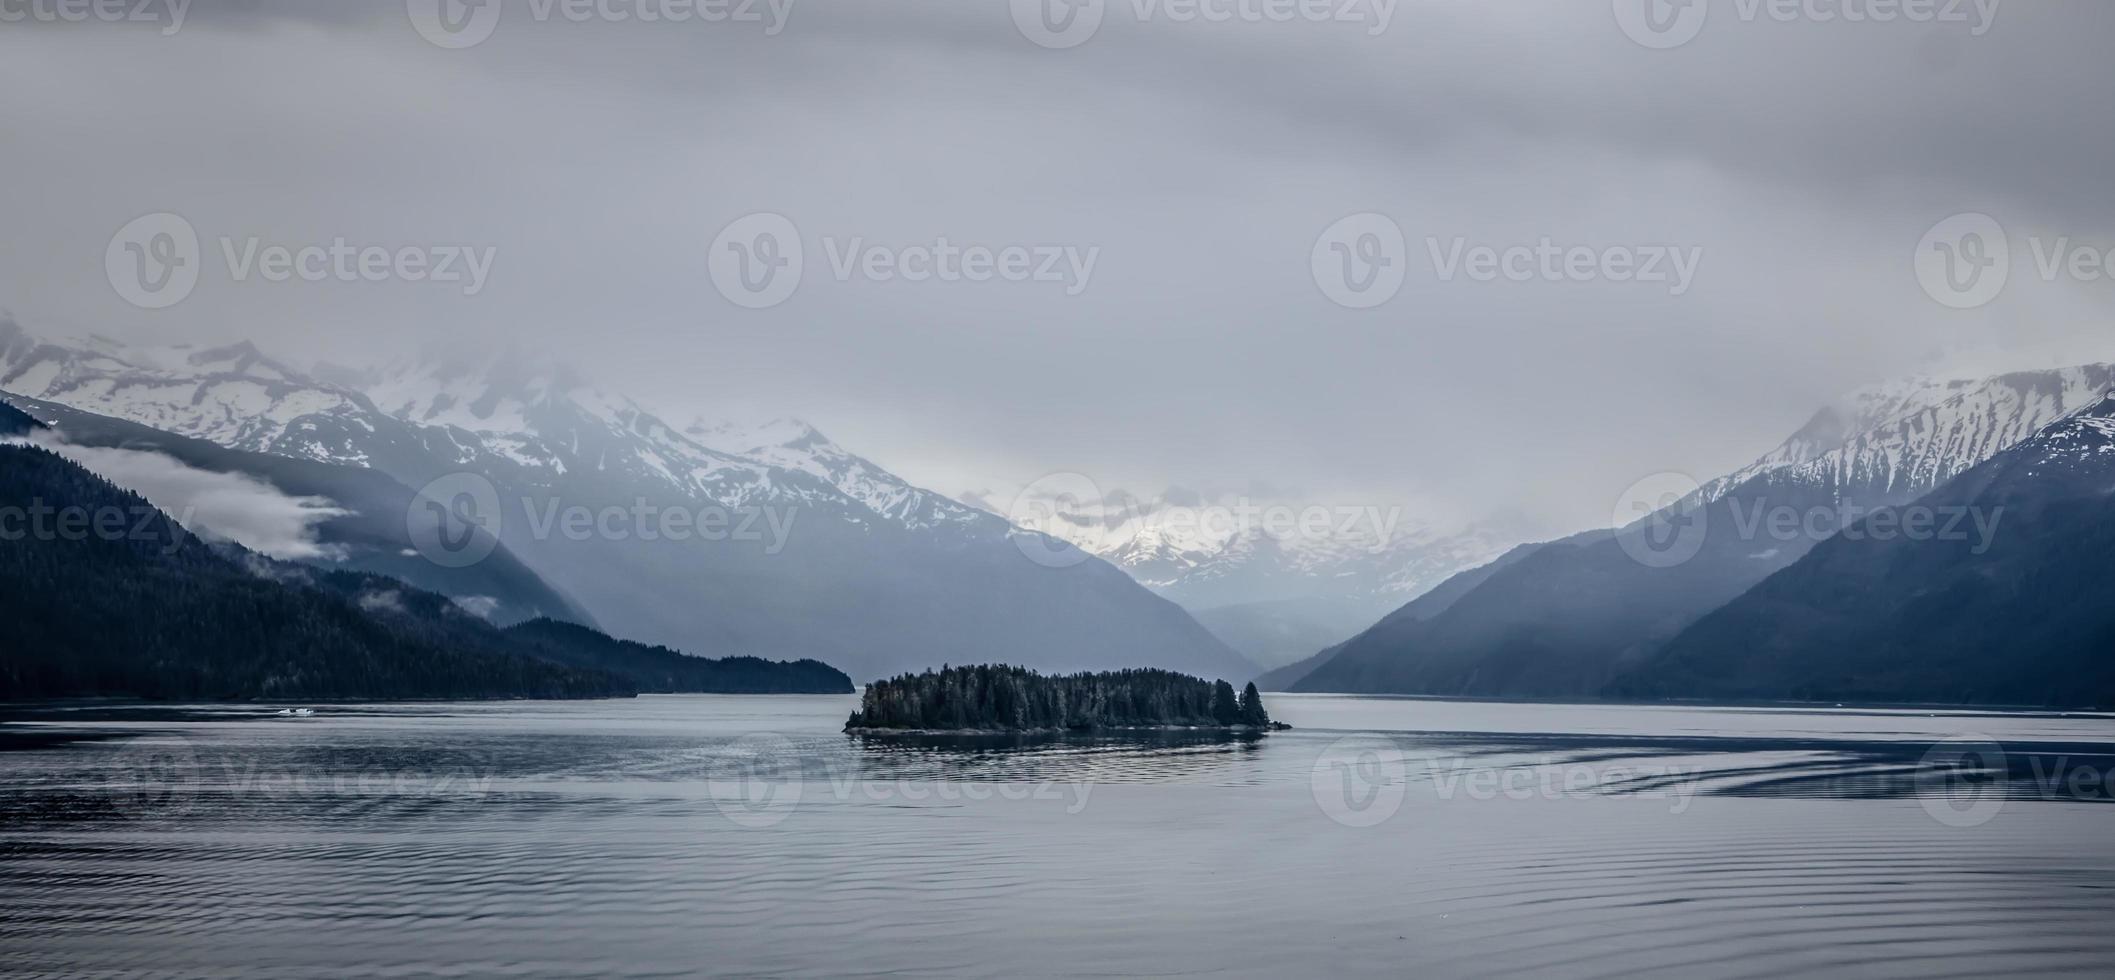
740, 836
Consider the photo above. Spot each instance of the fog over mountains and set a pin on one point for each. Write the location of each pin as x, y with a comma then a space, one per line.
790, 545
786, 545
2018, 616
1275, 577
1568, 618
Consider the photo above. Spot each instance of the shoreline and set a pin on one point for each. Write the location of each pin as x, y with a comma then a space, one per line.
1276, 726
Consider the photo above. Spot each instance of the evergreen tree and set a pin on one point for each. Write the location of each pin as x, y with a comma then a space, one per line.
1226, 709
1252, 712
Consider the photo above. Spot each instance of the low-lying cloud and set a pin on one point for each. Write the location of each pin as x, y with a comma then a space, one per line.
215, 506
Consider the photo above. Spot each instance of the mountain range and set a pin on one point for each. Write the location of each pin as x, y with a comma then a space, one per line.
1771, 582
105, 595
1591, 614
1245, 567
2019, 616
797, 548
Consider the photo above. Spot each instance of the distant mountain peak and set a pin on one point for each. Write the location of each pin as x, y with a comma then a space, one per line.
2081, 439
1909, 436
778, 433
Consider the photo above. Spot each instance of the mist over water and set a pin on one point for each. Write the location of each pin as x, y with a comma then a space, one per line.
741, 836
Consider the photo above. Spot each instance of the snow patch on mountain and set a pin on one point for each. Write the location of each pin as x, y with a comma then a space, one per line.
1909, 436
537, 420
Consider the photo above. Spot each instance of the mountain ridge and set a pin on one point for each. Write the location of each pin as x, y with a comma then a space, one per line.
846, 562
1568, 618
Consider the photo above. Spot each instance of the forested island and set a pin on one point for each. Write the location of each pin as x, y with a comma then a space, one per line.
998, 698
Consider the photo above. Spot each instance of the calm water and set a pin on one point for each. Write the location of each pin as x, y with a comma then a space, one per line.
676, 836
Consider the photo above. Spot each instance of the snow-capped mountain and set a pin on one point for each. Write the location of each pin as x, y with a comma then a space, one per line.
1912, 435
1265, 580
2080, 443
1568, 616
2011, 611
539, 425
810, 550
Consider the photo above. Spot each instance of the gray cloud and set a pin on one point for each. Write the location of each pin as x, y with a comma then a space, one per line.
1804, 159
215, 506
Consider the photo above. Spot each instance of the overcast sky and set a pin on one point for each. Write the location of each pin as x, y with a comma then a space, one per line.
1801, 163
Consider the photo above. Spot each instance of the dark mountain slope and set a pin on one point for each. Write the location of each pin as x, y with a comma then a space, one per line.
2023, 618
1417, 610
14, 423
659, 670
372, 538
1564, 619
121, 600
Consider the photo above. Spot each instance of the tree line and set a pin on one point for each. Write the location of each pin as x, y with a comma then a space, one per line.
997, 697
